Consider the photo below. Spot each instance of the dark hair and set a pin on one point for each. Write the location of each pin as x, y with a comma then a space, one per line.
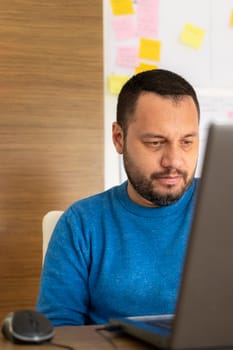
159, 81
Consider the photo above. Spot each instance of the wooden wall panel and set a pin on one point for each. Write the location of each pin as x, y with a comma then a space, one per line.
51, 128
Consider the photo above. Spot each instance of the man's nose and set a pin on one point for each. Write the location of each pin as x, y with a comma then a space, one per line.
171, 157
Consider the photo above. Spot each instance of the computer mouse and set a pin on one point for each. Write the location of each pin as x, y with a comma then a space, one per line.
27, 326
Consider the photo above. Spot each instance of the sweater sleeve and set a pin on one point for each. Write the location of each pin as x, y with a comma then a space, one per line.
63, 294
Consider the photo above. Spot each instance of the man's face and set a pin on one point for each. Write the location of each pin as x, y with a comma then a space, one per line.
160, 150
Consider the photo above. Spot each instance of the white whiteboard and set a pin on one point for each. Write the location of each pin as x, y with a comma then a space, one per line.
209, 69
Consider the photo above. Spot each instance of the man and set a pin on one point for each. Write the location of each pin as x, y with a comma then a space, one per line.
121, 252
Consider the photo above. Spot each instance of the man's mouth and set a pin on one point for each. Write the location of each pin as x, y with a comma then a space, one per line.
169, 180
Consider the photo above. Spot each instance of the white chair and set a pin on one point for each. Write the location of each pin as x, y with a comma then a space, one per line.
48, 224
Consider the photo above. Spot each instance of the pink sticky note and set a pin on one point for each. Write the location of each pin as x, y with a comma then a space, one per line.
127, 56
147, 15
124, 27
230, 114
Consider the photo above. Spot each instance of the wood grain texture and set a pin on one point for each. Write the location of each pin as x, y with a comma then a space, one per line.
51, 128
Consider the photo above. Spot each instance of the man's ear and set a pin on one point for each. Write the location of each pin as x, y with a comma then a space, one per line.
118, 137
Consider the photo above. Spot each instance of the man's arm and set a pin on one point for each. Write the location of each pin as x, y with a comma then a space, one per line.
63, 295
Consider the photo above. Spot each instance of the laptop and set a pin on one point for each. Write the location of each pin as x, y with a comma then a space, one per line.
204, 310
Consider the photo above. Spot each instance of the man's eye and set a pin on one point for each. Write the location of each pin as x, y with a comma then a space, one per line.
155, 143
187, 143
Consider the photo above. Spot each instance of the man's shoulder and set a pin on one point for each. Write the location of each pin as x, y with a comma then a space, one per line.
96, 201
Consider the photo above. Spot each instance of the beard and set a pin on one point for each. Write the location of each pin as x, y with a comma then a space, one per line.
146, 187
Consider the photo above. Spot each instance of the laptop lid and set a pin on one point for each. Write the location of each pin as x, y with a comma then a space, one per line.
204, 314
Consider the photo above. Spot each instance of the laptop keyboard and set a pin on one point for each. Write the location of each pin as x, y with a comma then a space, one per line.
162, 323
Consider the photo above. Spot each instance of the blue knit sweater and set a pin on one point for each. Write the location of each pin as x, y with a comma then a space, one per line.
110, 257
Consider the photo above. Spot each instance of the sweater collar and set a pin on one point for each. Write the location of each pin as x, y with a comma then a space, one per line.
140, 210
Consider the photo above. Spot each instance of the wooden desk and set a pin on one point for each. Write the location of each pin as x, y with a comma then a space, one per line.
82, 338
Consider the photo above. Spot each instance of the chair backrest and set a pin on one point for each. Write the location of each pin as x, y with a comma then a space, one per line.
48, 224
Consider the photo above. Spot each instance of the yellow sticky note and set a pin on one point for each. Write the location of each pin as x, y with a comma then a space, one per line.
115, 83
192, 36
149, 49
122, 7
231, 18
142, 67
